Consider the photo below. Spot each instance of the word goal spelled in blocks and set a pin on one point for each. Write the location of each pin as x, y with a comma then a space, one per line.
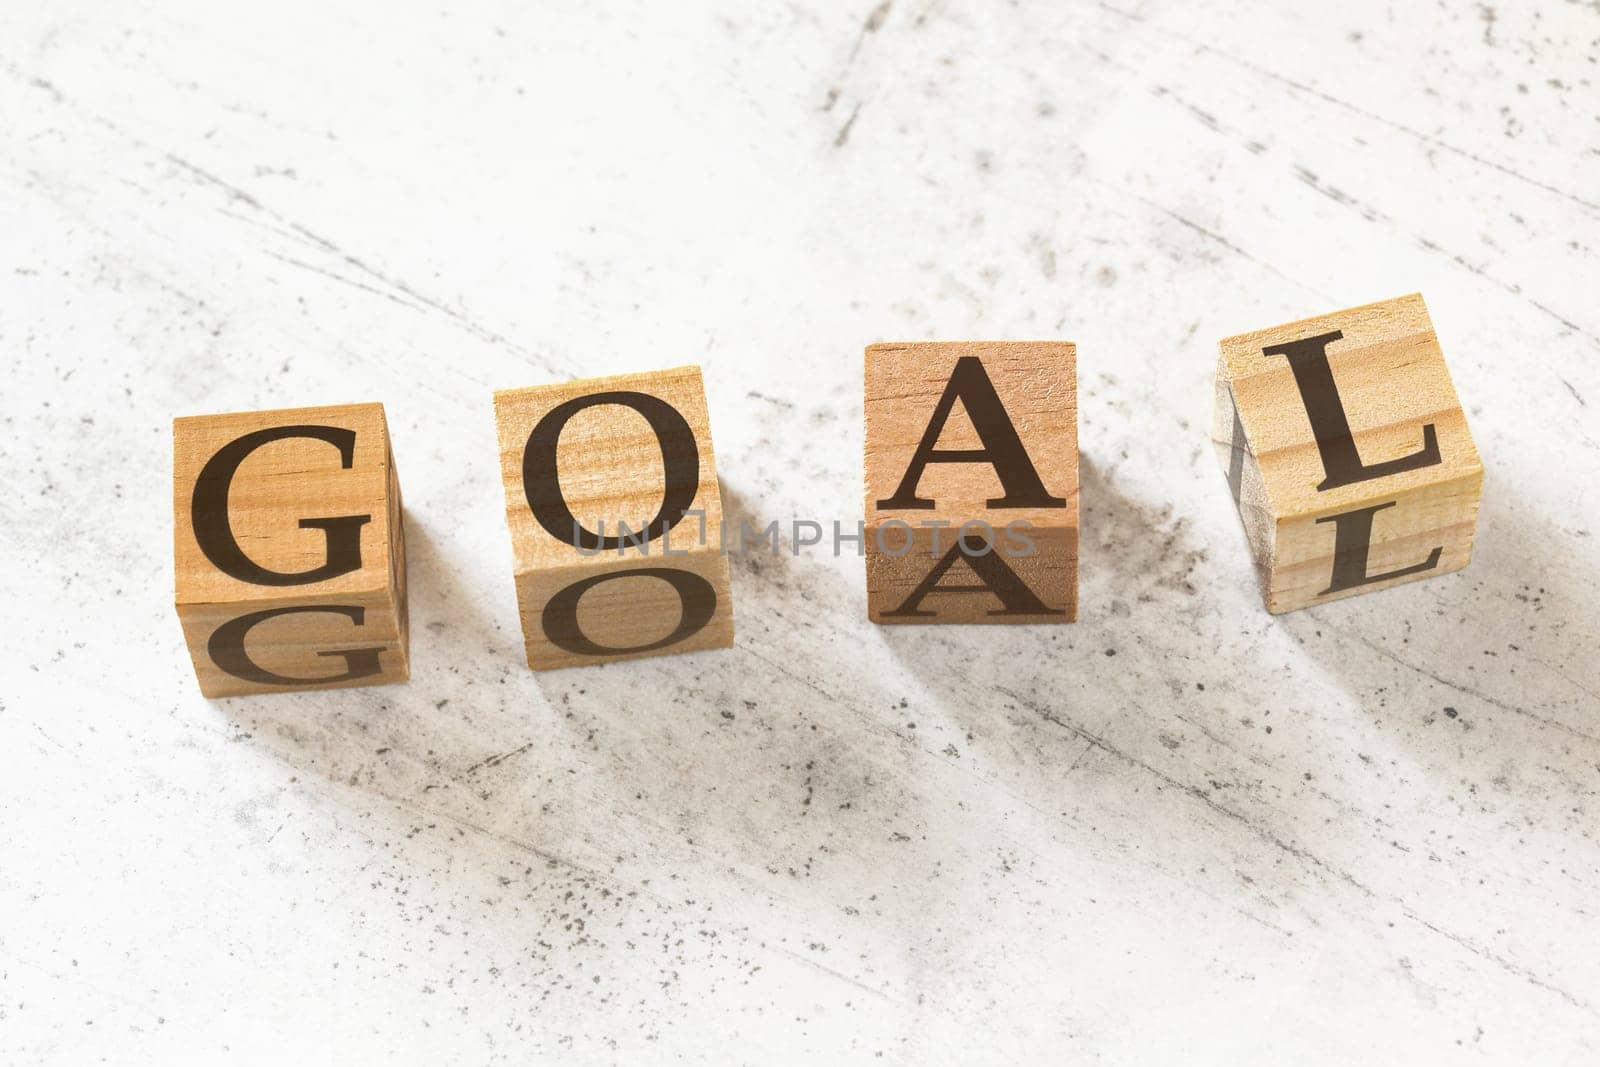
616, 518
289, 549
971, 472
1347, 452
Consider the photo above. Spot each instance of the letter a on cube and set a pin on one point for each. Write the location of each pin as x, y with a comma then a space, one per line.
289, 549
971, 473
616, 518
1347, 453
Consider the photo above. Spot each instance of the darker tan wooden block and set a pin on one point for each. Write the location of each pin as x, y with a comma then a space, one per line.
616, 518
971, 472
1347, 452
289, 549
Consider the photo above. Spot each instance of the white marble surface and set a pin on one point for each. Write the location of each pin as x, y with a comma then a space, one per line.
1181, 831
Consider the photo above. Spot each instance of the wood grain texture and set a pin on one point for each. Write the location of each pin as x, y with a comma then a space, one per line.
1036, 386
1392, 388
268, 502
614, 472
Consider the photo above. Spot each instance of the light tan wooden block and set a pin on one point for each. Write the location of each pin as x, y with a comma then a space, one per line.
615, 517
289, 549
1347, 452
981, 436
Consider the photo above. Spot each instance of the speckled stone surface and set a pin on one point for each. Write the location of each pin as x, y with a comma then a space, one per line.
1179, 831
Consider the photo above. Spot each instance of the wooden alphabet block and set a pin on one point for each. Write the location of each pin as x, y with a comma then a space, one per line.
971, 472
1347, 452
616, 518
289, 549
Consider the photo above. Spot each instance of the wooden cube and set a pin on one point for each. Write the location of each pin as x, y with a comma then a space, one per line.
616, 518
971, 472
1347, 453
289, 549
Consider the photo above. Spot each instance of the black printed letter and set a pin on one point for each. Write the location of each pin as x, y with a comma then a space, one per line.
209, 511
1002, 448
227, 649
1341, 462
998, 579
560, 619
1352, 537
541, 482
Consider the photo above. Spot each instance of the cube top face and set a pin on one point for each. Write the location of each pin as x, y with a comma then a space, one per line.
616, 518
294, 504
1036, 385
626, 449
966, 441
1388, 382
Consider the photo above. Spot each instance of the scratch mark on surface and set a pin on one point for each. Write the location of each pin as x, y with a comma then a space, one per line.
825, 969
1339, 196
1298, 852
495, 761
1213, 236
1488, 14
1505, 964
1453, 685
1310, 90
237, 194
341, 278
1191, 790
844, 131
871, 25
1515, 290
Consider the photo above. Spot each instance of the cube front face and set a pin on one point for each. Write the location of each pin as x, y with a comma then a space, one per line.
616, 518
289, 549
976, 443
1347, 452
